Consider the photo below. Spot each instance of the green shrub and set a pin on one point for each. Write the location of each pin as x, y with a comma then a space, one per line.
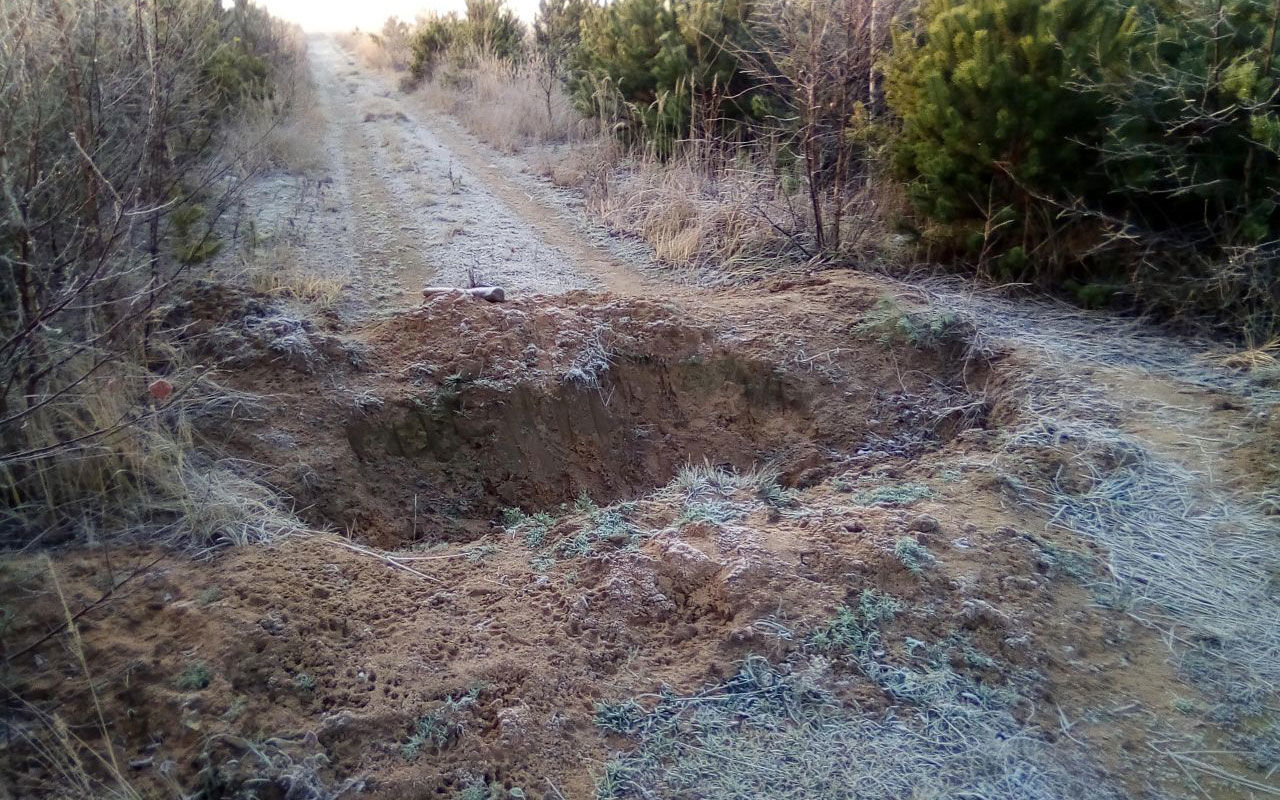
1192, 160
996, 116
194, 677
493, 29
1111, 148
855, 632
191, 231
1193, 141
625, 716
923, 329
488, 28
438, 729
431, 42
913, 555
557, 31
235, 74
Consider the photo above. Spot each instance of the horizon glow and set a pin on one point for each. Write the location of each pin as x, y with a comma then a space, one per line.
332, 16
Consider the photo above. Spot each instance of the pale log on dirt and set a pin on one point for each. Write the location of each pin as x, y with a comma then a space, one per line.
494, 294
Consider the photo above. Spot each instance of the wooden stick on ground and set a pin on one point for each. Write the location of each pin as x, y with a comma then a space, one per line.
386, 559
494, 294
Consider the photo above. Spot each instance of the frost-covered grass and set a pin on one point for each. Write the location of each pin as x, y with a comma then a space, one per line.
777, 733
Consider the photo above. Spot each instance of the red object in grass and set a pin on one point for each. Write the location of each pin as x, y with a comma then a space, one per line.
160, 389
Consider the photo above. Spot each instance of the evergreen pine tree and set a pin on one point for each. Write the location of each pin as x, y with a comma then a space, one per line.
1193, 144
996, 111
670, 63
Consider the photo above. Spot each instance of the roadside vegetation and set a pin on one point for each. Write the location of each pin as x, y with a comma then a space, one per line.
127, 134
1120, 153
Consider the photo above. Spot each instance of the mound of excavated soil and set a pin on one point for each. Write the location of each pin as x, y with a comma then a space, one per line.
530, 465
505, 645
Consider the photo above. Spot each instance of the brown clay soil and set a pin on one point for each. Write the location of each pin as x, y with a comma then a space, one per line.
405, 435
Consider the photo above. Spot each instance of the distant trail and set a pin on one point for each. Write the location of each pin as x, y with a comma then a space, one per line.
419, 204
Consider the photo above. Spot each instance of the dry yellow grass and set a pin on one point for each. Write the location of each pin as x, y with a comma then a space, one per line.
509, 108
689, 218
134, 460
276, 271
1253, 358
318, 291
577, 164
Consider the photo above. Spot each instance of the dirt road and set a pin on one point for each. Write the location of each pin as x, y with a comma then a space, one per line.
402, 202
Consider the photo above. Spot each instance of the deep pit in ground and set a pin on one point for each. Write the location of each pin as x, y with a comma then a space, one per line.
533, 445
465, 409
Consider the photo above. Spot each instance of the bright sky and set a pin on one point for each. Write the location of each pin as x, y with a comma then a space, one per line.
368, 15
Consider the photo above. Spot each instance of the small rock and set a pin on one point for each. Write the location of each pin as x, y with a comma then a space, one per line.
513, 723
924, 523
160, 389
1019, 582
981, 613
685, 563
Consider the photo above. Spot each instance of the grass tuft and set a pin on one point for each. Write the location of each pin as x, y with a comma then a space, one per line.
194, 677
778, 733
913, 555
926, 329
903, 496
438, 729
532, 527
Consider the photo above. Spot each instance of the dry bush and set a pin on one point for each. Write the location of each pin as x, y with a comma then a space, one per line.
690, 219
508, 107
820, 60
282, 130
368, 50
348, 40
137, 467
578, 164
116, 123
387, 51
